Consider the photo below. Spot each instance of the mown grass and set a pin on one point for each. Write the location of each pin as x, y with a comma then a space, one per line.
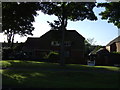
44, 65
34, 74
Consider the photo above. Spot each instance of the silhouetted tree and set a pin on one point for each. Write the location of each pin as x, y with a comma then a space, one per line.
111, 13
91, 41
0, 17
89, 45
73, 11
17, 18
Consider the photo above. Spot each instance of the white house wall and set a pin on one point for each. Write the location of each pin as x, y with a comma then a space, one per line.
118, 46
108, 48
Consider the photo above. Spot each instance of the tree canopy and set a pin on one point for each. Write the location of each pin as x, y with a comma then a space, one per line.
0, 17
73, 11
111, 13
17, 18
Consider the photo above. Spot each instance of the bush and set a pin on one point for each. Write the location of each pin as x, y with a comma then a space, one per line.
5, 64
116, 52
52, 56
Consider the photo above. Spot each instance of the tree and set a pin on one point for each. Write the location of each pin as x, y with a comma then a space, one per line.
111, 13
0, 17
91, 41
17, 18
89, 45
73, 11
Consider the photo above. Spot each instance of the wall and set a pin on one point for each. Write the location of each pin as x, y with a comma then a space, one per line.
113, 47
108, 48
118, 46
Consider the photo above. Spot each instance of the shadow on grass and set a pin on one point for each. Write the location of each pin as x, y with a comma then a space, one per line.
17, 64
58, 79
34, 74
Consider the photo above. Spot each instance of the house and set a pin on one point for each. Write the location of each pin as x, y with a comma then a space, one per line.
74, 45
103, 57
114, 45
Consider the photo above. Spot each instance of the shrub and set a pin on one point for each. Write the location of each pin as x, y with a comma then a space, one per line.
52, 56
116, 52
5, 64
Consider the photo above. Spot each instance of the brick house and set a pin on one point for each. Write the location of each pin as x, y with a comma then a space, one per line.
50, 41
105, 55
114, 45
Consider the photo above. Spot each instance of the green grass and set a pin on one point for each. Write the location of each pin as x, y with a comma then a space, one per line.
5, 64
46, 75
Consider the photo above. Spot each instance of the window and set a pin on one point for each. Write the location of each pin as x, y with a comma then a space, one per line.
55, 43
67, 43
67, 53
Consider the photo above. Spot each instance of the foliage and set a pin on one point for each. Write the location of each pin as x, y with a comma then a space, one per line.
17, 18
0, 16
111, 13
50, 53
87, 48
5, 64
91, 41
6, 53
89, 45
14, 53
73, 11
116, 52
52, 56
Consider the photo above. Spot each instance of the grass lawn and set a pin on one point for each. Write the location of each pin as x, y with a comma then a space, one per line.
35, 74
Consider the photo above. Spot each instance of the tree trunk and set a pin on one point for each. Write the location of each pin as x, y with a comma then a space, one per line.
62, 55
10, 39
62, 48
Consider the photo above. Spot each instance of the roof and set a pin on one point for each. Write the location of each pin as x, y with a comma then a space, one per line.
117, 39
96, 49
102, 51
39, 42
67, 32
99, 51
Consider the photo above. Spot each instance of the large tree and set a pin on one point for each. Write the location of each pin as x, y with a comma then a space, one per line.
73, 11
17, 18
0, 17
111, 13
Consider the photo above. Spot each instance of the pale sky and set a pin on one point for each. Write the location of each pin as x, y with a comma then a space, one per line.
102, 31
